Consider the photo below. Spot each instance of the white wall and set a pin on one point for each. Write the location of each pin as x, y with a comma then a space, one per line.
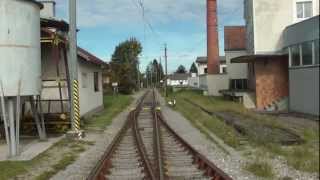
193, 82
203, 82
90, 100
177, 82
201, 68
217, 82
236, 70
271, 18
266, 20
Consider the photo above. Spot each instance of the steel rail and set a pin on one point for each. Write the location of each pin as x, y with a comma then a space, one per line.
210, 169
141, 147
104, 164
157, 135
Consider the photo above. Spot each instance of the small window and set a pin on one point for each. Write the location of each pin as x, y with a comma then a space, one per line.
96, 82
316, 51
304, 9
205, 70
307, 53
84, 78
295, 55
224, 70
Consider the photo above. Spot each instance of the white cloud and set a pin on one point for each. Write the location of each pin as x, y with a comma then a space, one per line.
93, 13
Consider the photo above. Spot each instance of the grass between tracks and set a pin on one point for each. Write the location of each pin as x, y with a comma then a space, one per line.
64, 152
113, 105
304, 157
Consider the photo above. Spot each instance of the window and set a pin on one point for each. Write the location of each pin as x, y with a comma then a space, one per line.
307, 53
224, 70
84, 78
316, 51
304, 9
96, 81
239, 84
205, 70
295, 55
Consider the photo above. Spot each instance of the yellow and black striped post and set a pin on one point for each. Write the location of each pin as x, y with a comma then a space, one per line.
76, 106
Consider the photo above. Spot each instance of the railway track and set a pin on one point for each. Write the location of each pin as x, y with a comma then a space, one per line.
147, 148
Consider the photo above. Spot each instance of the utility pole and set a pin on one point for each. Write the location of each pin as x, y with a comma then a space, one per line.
166, 69
74, 83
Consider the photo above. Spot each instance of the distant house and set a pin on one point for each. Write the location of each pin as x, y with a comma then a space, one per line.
202, 63
283, 60
178, 80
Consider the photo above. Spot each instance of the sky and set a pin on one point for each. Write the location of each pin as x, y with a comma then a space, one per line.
181, 24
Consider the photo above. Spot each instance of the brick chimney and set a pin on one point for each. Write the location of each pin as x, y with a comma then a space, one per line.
49, 9
212, 37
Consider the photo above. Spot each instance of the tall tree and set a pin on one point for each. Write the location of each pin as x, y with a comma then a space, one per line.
124, 65
181, 70
193, 68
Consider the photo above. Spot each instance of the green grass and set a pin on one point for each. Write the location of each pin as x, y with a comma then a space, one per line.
195, 116
113, 105
304, 157
260, 168
11, 169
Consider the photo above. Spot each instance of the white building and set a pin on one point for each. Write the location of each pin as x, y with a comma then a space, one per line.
286, 27
55, 95
178, 80
202, 65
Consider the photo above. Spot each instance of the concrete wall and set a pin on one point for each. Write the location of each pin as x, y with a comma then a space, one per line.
201, 68
236, 70
194, 82
177, 82
271, 18
272, 81
90, 101
49, 10
203, 82
304, 90
265, 22
217, 82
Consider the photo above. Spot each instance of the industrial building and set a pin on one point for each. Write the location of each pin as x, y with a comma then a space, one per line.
283, 66
35, 75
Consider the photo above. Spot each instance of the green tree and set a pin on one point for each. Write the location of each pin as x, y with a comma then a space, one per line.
124, 65
181, 70
193, 68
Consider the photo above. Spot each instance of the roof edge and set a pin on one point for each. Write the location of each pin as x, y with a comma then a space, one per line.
35, 2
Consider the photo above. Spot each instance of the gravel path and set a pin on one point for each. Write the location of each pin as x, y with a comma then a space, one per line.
87, 160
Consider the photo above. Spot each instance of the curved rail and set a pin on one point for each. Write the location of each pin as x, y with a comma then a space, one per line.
104, 164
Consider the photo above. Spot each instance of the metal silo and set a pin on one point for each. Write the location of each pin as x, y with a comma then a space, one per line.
20, 63
20, 47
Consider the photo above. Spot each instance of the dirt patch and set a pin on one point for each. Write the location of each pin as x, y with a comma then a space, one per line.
54, 159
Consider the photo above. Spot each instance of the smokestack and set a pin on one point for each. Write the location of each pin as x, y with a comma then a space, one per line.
212, 37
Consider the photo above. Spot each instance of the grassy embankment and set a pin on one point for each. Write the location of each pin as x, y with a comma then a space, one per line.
64, 152
113, 106
304, 157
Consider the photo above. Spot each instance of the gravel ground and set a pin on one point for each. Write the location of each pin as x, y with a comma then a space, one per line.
87, 160
231, 163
